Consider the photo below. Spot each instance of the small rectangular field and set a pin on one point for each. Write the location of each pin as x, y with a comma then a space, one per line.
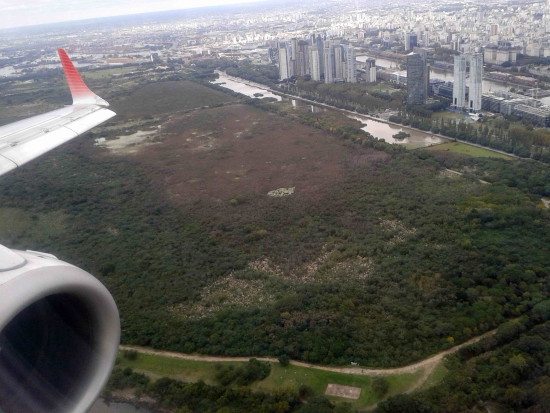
465, 149
347, 392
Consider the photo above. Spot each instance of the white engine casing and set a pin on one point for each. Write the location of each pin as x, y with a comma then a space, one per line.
59, 334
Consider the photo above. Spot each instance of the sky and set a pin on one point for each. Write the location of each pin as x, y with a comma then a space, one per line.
15, 13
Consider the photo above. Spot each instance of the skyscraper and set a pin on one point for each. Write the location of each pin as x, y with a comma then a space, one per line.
320, 48
351, 73
315, 63
328, 53
417, 79
476, 82
285, 64
459, 85
411, 40
302, 59
370, 69
338, 62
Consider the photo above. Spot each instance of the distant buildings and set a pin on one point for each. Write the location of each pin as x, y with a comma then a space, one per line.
285, 62
370, 70
326, 60
539, 116
351, 71
411, 41
315, 62
498, 55
417, 78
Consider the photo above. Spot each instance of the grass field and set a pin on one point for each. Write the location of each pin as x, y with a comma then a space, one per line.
435, 377
107, 73
290, 377
465, 149
168, 97
449, 115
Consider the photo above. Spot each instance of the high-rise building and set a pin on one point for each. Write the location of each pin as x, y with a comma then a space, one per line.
328, 54
476, 82
370, 69
459, 84
320, 48
417, 79
426, 39
351, 72
338, 63
285, 64
411, 41
302, 59
315, 63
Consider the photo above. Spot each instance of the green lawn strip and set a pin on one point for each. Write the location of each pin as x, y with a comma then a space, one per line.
437, 375
290, 377
449, 115
466, 149
161, 366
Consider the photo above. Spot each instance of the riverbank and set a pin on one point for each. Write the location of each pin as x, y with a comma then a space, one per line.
255, 87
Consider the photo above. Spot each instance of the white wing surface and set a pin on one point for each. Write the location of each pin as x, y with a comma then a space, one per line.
22, 141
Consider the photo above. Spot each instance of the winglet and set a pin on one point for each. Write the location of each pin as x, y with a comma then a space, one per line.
82, 95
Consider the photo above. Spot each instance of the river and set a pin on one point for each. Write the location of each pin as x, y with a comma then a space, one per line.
383, 130
376, 128
435, 73
243, 86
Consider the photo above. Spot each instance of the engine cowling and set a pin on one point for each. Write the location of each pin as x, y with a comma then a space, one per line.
59, 334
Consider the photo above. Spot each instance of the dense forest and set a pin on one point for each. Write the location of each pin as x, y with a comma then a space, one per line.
396, 262
428, 260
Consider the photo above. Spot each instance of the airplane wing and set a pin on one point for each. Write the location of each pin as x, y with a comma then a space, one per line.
22, 141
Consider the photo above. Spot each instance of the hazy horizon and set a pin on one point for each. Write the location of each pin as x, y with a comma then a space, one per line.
16, 14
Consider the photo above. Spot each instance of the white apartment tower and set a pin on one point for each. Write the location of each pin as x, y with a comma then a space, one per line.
285, 64
338, 63
459, 85
476, 79
370, 69
329, 62
315, 62
351, 72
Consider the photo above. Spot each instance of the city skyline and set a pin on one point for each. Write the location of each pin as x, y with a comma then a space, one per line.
16, 14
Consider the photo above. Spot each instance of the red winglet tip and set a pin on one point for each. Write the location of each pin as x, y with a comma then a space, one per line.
80, 92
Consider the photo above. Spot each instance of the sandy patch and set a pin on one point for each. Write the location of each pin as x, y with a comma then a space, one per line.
278, 193
343, 391
128, 144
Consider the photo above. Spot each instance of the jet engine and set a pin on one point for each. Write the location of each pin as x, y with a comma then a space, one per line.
59, 334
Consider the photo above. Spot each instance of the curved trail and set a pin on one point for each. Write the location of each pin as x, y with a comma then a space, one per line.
427, 365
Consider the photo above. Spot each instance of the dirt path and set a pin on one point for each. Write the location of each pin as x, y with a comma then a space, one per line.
427, 365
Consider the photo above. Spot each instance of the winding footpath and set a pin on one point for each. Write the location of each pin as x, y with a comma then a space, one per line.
427, 365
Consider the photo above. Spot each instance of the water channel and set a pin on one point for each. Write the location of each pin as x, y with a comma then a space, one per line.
376, 128
243, 86
435, 73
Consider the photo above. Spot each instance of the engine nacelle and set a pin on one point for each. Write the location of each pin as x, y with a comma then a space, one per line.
59, 334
